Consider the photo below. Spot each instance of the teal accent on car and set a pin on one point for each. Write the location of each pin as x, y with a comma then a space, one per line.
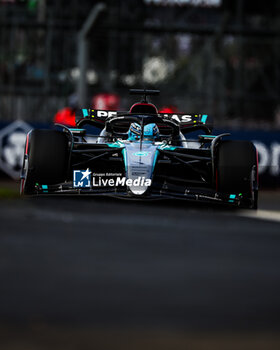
142, 154
208, 136
167, 147
232, 198
45, 188
124, 158
85, 112
204, 118
155, 159
115, 144
72, 129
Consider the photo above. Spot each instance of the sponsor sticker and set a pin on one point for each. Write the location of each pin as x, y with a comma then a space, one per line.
105, 114
81, 178
87, 179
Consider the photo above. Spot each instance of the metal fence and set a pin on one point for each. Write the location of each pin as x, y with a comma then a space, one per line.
233, 75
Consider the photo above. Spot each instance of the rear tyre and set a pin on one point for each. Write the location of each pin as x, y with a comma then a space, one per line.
46, 159
237, 170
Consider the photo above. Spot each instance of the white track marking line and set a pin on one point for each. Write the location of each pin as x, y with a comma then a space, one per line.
261, 214
140, 220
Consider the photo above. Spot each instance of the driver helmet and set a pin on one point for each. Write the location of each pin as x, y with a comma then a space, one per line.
151, 132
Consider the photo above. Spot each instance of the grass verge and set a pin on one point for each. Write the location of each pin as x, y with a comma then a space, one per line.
8, 193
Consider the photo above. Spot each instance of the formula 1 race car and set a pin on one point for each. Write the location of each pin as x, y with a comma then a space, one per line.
141, 154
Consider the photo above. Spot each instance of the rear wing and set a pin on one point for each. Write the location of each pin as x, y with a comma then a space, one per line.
187, 122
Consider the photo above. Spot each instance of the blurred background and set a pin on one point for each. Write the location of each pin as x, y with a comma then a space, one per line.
219, 56
80, 273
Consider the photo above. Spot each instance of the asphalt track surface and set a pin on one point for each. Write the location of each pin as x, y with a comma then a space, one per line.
92, 262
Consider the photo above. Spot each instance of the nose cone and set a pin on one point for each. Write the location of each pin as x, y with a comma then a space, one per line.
138, 190
140, 166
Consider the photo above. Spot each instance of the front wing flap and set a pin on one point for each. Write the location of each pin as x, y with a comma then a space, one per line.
191, 194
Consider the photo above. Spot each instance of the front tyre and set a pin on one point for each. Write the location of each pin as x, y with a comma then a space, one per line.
45, 160
237, 170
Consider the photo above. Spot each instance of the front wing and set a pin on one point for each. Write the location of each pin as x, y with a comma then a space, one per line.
189, 194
